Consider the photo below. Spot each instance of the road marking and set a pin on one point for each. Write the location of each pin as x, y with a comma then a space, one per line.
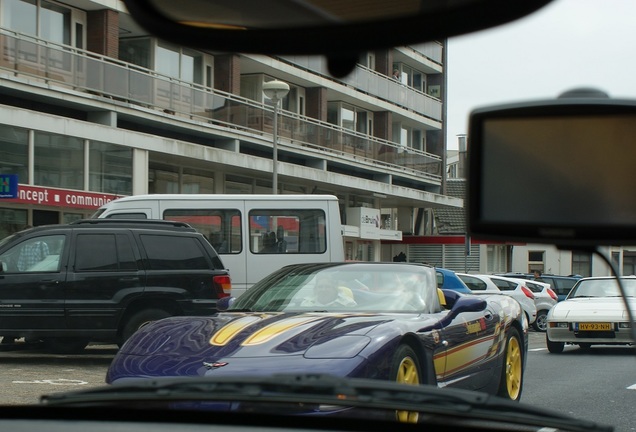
538, 349
632, 387
59, 381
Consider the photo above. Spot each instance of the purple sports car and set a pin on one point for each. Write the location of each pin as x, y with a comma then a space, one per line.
385, 321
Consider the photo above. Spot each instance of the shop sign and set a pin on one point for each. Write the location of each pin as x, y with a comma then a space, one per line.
368, 219
8, 186
61, 197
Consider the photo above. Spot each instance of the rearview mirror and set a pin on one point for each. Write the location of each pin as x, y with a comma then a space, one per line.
560, 171
319, 27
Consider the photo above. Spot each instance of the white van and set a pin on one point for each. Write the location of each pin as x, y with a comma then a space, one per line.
254, 234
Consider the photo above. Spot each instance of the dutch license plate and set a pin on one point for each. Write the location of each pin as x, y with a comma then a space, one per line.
594, 326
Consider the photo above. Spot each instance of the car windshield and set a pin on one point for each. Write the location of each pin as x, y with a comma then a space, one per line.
354, 287
603, 288
342, 247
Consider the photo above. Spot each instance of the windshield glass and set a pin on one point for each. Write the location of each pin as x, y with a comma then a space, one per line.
603, 288
353, 287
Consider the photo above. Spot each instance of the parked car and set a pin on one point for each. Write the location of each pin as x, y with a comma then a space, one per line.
488, 284
593, 313
101, 280
544, 299
448, 279
373, 320
561, 285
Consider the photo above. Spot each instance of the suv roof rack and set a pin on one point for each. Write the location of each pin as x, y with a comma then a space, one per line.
136, 222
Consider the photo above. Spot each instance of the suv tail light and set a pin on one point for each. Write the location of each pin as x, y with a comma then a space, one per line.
527, 292
552, 294
223, 284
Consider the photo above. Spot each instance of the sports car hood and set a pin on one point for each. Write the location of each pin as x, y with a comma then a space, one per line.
248, 335
592, 308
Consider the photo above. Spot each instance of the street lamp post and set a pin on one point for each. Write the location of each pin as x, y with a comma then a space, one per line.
275, 91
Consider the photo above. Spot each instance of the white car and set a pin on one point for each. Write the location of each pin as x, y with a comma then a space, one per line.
593, 313
489, 284
544, 299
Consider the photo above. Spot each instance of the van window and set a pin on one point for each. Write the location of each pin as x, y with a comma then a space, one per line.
287, 231
222, 227
127, 216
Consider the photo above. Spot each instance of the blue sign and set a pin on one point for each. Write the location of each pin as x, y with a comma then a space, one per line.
8, 185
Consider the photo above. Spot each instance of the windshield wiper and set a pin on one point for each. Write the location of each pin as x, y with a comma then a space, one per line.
321, 389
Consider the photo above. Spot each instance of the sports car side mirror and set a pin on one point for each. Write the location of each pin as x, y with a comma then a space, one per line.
224, 303
467, 304
458, 304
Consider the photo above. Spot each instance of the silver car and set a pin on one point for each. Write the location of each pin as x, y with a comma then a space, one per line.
489, 284
592, 314
544, 299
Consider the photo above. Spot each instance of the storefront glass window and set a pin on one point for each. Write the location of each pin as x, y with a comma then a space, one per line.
59, 161
12, 221
197, 181
110, 168
14, 152
70, 217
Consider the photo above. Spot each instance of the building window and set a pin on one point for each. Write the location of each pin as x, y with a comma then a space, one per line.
59, 161
180, 63
110, 168
582, 263
350, 117
629, 263
411, 77
20, 16
136, 51
14, 152
536, 261
165, 178
55, 23
43, 19
12, 221
183, 64
197, 181
496, 258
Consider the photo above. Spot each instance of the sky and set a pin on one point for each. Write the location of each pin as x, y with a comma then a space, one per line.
567, 44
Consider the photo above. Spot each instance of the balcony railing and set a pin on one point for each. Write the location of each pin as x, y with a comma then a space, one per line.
378, 85
96, 74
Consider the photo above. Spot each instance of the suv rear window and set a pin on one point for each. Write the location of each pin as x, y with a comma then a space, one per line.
174, 253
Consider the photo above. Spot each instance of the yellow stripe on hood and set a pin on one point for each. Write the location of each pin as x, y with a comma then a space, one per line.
269, 332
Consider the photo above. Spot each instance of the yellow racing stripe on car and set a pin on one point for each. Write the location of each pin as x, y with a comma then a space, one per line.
223, 336
463, 356
269, 332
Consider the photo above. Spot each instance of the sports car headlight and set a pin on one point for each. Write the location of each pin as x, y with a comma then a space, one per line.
342, 347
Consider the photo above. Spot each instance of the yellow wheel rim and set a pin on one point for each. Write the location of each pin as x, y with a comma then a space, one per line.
407, 374
513, 368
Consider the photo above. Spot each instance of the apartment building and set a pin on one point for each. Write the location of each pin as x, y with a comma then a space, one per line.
93, 108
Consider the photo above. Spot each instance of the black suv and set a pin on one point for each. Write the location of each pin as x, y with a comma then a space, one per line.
102, 279
561, 285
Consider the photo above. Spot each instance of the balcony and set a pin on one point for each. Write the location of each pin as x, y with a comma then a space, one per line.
88, 72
